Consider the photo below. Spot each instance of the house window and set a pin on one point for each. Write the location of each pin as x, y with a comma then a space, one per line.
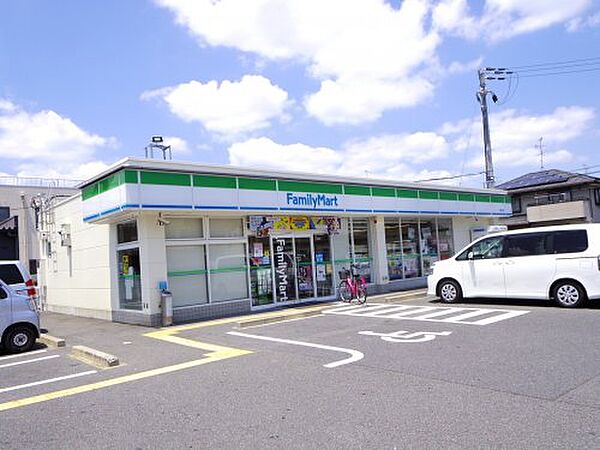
516, 204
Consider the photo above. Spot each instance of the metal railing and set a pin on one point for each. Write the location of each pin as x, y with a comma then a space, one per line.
7, 180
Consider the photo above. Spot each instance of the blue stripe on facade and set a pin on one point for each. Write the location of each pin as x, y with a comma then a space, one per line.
216, 207
260, 208
385, 210
168, 206
359, 210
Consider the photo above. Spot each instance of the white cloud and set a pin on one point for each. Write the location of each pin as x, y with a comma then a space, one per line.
514, 135
45, 143
388, 156
503, 19
368, 55
227, 108
418, 155
580, 23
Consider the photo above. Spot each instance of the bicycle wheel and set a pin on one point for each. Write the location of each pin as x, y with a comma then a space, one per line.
344, 292
361, 294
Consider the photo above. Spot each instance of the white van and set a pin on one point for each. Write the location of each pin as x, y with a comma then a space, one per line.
19, 320
559, 262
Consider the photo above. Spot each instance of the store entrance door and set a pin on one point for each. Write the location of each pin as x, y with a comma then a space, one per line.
294, 268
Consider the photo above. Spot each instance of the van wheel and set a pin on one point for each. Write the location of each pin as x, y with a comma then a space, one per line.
449, 291
19, 339
568, 294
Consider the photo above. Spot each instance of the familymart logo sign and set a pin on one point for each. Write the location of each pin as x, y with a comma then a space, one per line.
312, 201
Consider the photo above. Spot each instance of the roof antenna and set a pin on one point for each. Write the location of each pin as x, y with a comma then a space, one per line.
157, 142
541, 148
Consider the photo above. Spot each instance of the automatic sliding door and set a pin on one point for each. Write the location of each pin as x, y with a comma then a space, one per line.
304, 265
324, 265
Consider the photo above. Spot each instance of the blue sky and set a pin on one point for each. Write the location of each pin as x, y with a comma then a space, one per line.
363, 88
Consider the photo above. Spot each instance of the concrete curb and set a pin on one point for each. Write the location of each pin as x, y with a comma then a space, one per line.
267, 320
51, 341
94, 357
401, 297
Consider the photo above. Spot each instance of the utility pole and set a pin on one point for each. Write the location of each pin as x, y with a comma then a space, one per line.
489, 73
487, 143
539, 146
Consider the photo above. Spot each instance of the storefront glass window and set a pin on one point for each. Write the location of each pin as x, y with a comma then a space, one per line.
130, 288
411, 253
446, 242
341, 248
393, 248
186, 266
429, 245
285, 269
127, 232
261, 272
323, 265
362, 257
184, 228
228, 272
221, 228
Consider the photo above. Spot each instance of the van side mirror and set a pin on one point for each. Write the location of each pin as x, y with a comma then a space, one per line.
470, 256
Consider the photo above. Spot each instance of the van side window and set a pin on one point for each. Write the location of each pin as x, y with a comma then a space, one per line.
485, 249
528, 244
10, 274
3, 294
570, 241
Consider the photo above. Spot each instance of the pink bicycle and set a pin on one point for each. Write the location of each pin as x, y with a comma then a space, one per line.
352, 287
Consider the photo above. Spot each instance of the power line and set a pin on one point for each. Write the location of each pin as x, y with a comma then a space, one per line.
452, 177
558, 67
595, 58
559, 73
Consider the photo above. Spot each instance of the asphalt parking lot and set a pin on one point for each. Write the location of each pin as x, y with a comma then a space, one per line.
386, 375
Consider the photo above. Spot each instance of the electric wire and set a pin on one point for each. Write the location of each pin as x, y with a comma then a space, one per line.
557, 63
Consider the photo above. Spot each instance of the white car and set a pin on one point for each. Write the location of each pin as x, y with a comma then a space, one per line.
559, 262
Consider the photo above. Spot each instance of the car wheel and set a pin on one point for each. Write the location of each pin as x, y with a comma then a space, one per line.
19, 339
568, 294
449, 291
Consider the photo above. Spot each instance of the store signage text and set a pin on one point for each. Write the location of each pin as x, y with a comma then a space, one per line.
313, 201
281, 270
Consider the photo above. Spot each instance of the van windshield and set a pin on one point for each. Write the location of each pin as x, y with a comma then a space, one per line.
10, 274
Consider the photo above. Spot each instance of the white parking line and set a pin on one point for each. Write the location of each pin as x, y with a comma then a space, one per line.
51, 380
20, 355
429, 313
355, 354
18, 363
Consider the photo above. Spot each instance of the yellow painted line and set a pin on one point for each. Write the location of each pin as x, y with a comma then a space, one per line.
230, 353
216, 353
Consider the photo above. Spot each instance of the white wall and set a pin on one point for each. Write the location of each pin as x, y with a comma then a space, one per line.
462, 226
77, 279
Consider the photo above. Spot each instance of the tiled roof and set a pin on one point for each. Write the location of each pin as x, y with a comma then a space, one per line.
553, 177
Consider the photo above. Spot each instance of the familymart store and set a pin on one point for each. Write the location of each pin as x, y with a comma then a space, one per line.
227, 240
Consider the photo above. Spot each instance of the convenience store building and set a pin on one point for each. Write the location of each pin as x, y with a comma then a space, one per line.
228, 240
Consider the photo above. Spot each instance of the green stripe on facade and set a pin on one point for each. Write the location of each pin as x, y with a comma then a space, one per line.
165, 178
185, 273
407, 193
89, 191
384, 192
110, 182
131, 176
428, 195
213, 181
264, 184
299, 186
448, 196
357, 190
257, 184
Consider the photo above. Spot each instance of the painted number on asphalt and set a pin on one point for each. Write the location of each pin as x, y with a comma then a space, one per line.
407, 336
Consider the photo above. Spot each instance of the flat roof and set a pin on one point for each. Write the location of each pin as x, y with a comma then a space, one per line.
214, 169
